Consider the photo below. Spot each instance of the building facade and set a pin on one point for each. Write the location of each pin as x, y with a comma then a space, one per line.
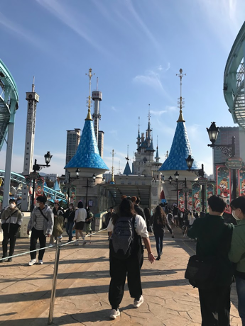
72, 142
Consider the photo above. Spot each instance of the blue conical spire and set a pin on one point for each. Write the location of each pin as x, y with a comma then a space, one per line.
87, 154
127, 169
56, 186
180, 149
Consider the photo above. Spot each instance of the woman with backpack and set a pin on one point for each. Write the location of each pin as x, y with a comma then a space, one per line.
126, 255
159, 223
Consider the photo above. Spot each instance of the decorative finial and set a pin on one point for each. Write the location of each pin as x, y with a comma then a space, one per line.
89, 115
149, 113
181, 100
139, 126
90, 77
112, 168
127, 158
33, 84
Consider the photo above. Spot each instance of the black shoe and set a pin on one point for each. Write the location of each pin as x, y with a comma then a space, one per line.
158, 258
10, 259
1, 261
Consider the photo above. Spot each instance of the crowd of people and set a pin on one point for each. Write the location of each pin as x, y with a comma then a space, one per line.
45, 222
220, 246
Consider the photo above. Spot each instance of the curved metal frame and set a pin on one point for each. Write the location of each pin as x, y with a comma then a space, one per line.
21, 179
234, 79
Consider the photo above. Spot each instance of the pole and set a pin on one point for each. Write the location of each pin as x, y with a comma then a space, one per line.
33, 192
203, 198
185, 195
234, 184
87, 194
7, 174
56, 265
177, 192
233, 148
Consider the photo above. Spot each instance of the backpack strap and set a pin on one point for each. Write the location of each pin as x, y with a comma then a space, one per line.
43, 214
11, 215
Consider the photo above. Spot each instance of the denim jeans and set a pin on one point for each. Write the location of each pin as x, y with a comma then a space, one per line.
69, 226
159, 242
240, 287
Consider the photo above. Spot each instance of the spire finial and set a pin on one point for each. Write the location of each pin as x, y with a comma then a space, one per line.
112, 168
89, 117
97, 84
181, 100
33, 84
127, 158
138, 126
149, 114
90, 77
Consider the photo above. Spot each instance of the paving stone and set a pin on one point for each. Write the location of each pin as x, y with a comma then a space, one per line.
83, 283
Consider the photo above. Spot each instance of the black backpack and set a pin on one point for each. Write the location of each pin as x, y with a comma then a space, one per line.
122, 239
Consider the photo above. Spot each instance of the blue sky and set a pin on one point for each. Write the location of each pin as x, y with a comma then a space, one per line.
135, 47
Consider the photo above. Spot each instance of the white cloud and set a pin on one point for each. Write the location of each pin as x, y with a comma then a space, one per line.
171, 108
79, 23
151, 79
157, 113
227, 14
20, 31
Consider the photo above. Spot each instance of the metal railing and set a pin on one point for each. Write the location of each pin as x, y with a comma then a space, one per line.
57, 246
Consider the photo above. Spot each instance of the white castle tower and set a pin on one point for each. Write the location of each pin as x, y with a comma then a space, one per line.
32, 100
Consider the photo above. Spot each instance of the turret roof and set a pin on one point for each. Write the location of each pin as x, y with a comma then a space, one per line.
179, 151
127, 169
87, 154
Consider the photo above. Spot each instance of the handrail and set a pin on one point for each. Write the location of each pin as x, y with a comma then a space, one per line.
58, 245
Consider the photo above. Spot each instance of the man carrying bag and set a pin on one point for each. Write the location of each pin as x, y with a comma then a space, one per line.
210, 269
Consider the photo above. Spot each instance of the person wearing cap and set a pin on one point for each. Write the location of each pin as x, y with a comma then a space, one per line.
11, 219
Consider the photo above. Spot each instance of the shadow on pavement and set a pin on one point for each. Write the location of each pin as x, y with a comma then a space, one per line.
93, 316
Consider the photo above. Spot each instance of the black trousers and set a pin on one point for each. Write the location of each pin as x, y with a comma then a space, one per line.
215, 306
119, 269
37, 234
9, 233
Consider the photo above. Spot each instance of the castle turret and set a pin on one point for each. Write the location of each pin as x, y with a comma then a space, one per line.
180, 148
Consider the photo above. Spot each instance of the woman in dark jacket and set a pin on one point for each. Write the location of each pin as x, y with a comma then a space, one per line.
69, 216
159, 222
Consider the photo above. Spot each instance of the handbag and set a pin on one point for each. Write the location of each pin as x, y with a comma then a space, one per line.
202, 272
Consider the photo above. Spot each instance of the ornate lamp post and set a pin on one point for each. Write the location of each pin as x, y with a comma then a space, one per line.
34, 175
185, 189
227, 149
69, 184
200, 173
87, 186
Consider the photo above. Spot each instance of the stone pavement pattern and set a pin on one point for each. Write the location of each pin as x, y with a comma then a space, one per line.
82, 288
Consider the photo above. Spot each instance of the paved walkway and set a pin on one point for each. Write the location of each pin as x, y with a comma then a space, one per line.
82, 288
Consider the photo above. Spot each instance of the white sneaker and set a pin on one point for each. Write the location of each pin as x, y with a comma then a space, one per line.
77, 243
32, 262
40, 262
138, 303
114, 313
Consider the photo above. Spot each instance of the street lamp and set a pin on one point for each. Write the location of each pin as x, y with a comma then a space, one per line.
227, 149
77, 173
34, 175
87, 186
200, 173
177, 184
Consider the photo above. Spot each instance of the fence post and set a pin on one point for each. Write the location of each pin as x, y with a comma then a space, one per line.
56, 265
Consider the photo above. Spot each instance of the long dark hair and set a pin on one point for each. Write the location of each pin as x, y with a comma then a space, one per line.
126, 208
147, 213
160, 214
